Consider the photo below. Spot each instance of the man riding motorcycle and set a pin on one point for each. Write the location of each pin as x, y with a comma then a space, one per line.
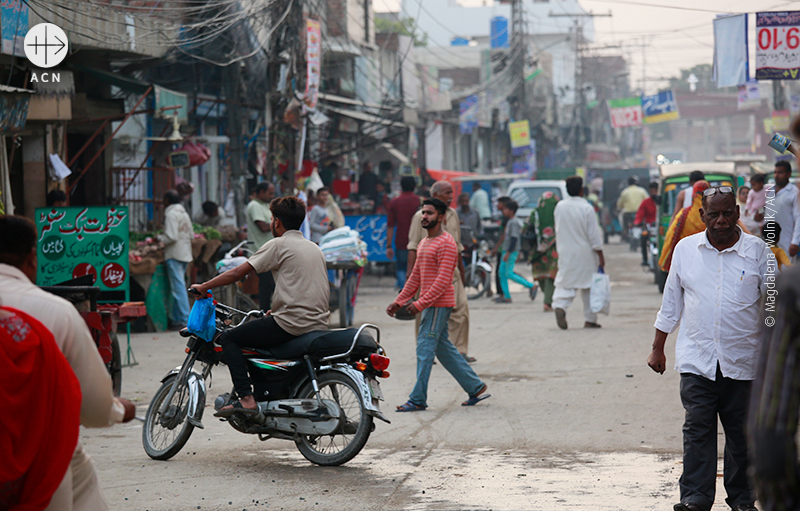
299, 303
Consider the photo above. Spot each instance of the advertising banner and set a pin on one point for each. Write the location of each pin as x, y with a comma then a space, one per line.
468, 114
778, 45
13, 26
625, 112
78, 241
372, 229
520, 132
314, 61
661, 107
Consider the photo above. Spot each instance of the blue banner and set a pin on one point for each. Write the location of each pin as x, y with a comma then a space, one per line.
661, 107
468, 114
372, 229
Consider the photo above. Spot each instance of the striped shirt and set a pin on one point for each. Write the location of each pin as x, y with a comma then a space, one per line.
432, 274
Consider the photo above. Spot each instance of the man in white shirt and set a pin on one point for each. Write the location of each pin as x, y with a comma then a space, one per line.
714, 290
783, 206
480, 201
79, 490
259, 231
177, 238
579, 244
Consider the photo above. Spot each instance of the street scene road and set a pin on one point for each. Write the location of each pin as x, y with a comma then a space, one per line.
576, 421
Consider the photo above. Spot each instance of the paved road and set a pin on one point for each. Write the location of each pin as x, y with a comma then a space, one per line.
576, 421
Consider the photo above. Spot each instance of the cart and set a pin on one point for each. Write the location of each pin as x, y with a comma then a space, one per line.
102, 321
347, 277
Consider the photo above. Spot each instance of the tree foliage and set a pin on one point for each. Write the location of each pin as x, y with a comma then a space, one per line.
405, 26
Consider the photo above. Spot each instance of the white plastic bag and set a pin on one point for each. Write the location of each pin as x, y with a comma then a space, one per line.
600, 294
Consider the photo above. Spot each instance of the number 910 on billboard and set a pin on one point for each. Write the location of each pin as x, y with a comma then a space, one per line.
778, 45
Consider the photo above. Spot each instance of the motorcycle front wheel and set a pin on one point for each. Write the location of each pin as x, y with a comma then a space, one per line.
476, 285
163, 436
356, 425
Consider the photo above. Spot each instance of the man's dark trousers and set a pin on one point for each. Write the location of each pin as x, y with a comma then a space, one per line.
266, 286
703, 401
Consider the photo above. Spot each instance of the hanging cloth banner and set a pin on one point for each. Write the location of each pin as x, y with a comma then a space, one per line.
313, 59
778, 45
730, 51
625, 112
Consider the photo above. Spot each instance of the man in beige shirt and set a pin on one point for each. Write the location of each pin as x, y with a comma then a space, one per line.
177, 238
299, 304
99, 408
458, 325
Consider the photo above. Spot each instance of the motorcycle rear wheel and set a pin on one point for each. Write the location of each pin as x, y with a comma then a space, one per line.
344, 444
164, 437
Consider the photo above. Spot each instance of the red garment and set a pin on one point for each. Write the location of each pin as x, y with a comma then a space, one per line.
646, 212
400, 211
40, 413
432, 273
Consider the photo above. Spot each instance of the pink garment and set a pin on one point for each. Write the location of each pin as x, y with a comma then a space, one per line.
755, 200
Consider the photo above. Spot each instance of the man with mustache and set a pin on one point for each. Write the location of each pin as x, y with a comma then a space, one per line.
714, 288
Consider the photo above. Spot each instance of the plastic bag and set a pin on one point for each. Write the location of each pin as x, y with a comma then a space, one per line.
202, 318
600, 293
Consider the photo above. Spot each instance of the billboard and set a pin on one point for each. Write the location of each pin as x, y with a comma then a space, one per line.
660, 107
778, 45
625, 112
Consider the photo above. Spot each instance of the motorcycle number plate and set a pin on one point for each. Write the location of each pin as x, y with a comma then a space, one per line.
375, 390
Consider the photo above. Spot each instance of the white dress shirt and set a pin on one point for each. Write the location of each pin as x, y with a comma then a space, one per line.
577, 237
178, 234
784, 207
716, 297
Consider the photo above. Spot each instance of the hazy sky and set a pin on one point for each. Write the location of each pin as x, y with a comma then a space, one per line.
678, 33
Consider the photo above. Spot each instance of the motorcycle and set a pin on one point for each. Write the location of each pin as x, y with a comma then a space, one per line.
477, 267
319, 391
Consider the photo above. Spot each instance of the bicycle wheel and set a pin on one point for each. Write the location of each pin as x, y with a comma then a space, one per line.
356, 425
163, 436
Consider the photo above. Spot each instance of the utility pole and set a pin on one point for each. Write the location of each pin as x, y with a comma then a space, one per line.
519, 48
579, 108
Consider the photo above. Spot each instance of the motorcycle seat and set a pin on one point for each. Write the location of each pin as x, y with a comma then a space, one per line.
323, 343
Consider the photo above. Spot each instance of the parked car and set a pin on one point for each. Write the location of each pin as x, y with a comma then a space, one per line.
527, 194
675, 178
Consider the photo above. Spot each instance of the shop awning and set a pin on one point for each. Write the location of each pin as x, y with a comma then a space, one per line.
361, 116
116, 79
395, 153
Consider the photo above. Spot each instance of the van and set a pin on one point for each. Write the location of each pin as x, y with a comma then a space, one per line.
527, 194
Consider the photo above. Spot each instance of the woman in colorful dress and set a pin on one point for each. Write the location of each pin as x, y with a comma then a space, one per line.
544, 260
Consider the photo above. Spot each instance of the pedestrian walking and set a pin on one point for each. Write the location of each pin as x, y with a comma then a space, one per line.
319, 223
459, 318
544, 260
469, 217
628, 203
177, 239
398, 222
78, 489
713, 290
646, 215
685, 197
497, 249
512, 238
259, 231
480, 201
687, 223
437, 256
787, 209
579, 244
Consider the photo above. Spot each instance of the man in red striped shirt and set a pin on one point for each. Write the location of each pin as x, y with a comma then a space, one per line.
432, 275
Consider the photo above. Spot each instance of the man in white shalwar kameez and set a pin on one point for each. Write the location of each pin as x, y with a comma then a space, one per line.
579, 245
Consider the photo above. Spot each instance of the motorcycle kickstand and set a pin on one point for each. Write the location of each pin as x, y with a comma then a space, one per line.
313, 374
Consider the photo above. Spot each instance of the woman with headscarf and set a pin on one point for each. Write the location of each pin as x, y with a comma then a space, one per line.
544, 260
685, 223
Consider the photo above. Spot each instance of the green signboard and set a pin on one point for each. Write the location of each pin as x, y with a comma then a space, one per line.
77, 241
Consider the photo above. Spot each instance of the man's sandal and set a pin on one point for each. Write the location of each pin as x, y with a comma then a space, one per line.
477, 398
410, 407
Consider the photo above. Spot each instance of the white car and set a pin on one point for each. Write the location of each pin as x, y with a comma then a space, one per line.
527, 194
